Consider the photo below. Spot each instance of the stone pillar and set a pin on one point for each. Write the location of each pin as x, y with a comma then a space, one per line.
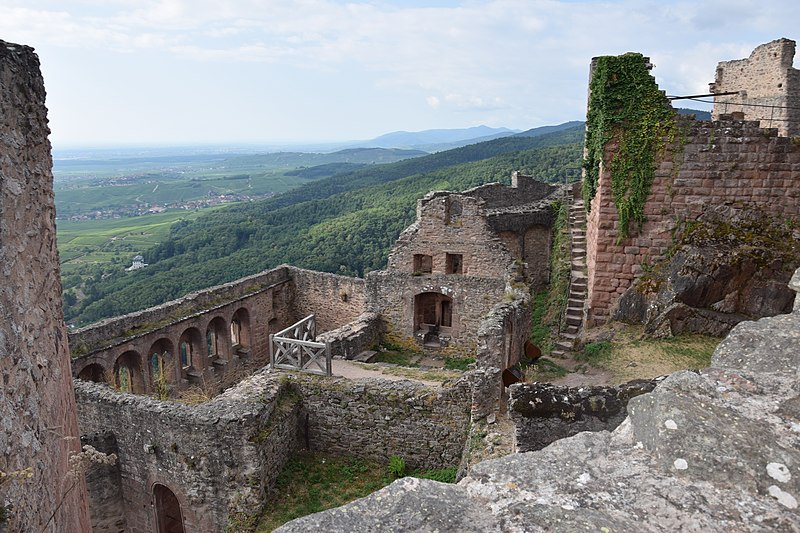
37, 404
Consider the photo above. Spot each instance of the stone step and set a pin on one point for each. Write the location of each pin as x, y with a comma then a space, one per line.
574, 320
571, 335
564, 345
574, 311
575, 302
578, 285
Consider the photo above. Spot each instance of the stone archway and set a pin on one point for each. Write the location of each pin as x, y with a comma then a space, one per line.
128, 372
93, 372
169, 518
433, 315
161, 362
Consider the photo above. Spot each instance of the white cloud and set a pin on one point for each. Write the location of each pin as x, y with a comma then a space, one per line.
521, 62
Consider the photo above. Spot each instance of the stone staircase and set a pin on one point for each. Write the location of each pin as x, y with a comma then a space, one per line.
573, 321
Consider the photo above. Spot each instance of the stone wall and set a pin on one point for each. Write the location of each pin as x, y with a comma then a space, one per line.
361, 334
375, 419
114, 330
713, 163
522, 216
335, 300
523, 190
258, 313
219, 458
104, 483
392, 295
503, 332
37, 407
544, 413
768, 87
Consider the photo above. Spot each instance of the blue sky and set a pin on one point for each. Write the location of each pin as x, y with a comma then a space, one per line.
181, 72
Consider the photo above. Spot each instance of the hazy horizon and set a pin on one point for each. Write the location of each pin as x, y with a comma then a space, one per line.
173, 72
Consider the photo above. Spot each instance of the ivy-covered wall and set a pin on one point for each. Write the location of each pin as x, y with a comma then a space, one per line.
712, 163
627, 107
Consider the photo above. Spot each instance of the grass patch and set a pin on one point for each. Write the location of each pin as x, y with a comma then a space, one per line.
544, 370
630, 356
310, 483
458, 363
595, 353
397, 355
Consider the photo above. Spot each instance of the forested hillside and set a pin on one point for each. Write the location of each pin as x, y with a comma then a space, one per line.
346, 223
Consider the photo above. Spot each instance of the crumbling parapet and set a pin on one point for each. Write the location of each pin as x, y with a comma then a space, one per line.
767, 87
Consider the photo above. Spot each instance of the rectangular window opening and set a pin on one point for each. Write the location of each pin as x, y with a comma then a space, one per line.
455, 263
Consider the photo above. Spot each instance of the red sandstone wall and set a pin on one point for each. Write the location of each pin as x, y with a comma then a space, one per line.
722, 161
37, 405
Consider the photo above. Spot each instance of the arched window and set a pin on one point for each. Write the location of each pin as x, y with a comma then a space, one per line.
128, 372
186, 354
157, 365
211, 342
124, 379
93, 372
236, 331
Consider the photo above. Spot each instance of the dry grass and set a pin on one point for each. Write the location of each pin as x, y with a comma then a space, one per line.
631, 356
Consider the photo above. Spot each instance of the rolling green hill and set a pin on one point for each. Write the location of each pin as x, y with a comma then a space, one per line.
346, 223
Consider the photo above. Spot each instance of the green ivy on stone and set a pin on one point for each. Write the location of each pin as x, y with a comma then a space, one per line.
626, 104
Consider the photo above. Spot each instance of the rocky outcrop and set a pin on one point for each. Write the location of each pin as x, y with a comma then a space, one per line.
717, 450
733, 265
544, 413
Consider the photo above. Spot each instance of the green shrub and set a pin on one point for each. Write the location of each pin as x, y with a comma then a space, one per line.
445, 475
397, 466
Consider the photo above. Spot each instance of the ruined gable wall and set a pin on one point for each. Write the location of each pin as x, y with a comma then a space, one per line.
456, 224
719, 162
764, 79
37, 406
334, 299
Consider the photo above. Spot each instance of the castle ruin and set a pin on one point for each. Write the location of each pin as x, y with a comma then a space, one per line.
457, 279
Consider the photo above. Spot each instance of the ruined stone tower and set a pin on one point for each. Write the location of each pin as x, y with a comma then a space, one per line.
38, 427
768, 87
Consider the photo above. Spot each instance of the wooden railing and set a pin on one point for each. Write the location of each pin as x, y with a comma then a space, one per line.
295, 348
